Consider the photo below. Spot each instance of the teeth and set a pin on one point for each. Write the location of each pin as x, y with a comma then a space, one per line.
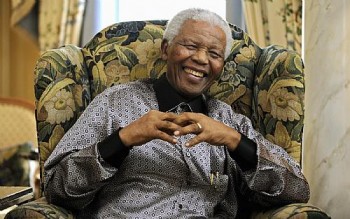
195, 73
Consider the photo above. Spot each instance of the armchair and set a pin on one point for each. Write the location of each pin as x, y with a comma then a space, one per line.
265, 84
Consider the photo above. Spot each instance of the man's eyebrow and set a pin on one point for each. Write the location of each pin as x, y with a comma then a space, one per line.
185, 40
214, 46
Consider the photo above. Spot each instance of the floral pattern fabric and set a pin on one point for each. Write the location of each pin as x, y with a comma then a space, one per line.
265, 84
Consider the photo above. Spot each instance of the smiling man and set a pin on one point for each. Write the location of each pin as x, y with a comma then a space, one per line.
161, 148
195, 57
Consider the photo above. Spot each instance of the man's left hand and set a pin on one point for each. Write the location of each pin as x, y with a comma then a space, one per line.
206, 130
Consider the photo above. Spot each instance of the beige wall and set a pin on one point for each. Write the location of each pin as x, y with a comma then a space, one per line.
327, 125
18, 54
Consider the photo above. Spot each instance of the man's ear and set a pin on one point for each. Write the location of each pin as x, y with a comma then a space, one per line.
164, 49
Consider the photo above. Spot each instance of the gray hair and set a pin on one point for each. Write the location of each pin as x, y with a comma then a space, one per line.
174, 25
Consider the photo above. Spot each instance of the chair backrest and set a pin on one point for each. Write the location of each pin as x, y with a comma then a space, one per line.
18, 124
265, 84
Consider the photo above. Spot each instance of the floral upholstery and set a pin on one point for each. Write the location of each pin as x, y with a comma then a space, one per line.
265, 84
40, 209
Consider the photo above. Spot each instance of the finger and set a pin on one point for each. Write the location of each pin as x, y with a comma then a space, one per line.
199, 126
167, 126
192, 142
166, 137
185, 118
169, 116
194, 128
154, 115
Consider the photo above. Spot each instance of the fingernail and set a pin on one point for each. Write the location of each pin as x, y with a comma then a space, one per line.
176, 133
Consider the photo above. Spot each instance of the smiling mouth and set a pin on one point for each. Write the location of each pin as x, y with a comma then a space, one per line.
195, 73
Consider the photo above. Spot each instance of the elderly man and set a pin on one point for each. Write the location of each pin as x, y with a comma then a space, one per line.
160, 148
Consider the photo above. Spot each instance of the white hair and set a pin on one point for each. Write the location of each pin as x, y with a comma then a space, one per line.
174, 25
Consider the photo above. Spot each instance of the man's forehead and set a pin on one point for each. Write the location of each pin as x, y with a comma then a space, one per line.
204, 32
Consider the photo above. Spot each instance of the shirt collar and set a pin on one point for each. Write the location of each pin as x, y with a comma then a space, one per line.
169, 98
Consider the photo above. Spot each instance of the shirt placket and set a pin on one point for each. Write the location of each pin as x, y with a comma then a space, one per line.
178, 204
186, 199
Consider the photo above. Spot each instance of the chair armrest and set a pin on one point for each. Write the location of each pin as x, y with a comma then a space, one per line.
61, 77
39, 208
278, 100
296, 210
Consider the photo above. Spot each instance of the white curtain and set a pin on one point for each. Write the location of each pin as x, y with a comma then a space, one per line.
274, 22
60, 22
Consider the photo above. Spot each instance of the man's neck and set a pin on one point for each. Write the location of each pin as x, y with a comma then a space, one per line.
168, 97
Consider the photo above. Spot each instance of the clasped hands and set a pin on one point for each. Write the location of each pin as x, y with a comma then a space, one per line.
169, 126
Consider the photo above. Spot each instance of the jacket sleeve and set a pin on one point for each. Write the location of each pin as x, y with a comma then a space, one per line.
276, 179
80, 165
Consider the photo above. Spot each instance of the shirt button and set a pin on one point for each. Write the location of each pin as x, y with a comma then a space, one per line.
188, 154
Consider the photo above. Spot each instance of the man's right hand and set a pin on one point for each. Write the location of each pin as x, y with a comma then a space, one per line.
152, 125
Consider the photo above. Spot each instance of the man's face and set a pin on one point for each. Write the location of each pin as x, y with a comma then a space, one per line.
195, 57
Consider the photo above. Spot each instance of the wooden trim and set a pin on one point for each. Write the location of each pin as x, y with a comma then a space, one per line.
5, 47
18, 102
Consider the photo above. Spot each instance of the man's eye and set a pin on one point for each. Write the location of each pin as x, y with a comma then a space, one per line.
214, 54
190, 46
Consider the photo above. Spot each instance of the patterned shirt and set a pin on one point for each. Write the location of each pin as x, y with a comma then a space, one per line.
159, 179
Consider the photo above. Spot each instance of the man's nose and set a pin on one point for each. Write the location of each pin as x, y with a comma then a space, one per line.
201, 56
